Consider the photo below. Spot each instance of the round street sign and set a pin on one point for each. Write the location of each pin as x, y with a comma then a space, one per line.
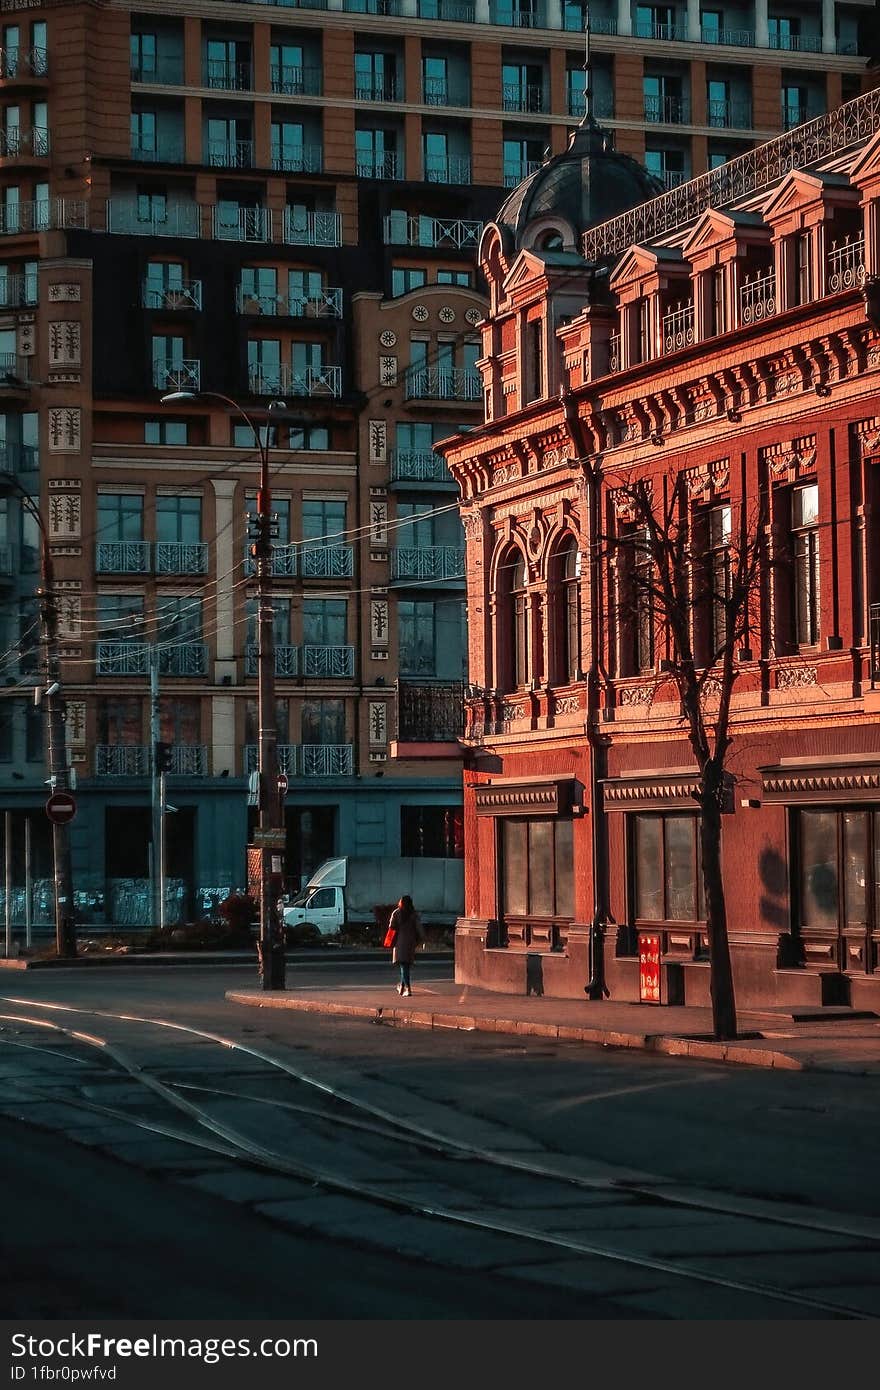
61, 808
283, 783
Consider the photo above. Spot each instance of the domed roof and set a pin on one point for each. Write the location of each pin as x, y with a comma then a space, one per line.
588, 183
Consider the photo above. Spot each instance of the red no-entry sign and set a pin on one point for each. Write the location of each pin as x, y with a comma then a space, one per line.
61, 808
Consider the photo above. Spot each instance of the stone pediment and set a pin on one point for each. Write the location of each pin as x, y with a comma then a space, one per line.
799, 190
526, 269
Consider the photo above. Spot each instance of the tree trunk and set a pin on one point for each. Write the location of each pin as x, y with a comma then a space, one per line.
720, 971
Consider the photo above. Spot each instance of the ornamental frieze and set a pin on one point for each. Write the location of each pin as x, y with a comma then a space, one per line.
784, 785
635, 694
795, 677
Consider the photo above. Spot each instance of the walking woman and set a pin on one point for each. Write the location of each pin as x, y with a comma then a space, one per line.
407, 925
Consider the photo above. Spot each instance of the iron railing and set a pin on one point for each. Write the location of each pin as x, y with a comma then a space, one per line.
432, 563
455, 168
757, 297
183, 659
440, 91
19, 458
133, 760
846, 264
285, 753
312, 228
297, 159
748, 173
161, 71
287, 661
672, 33
453, 11
326, 304
796, 43
19, 292
326, 561
283, 562
443, 384
8, 565
186, 295
127, 218
181, 557
20, 141
168, 150
307, 381
678, 328
667, 110
14, 370
524, 96
326, 760
122, 557
430, 711
734, 38
402, 230
518, 14
389, 8
419, 466
331, 663
226, 75
243, 224
122, 658
178, 376
517, 170
376, 89
23, 62
295, 81
229, 154
43, 215
379, 166
614, 352
724, 114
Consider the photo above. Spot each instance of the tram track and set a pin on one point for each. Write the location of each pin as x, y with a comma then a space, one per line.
343, 1110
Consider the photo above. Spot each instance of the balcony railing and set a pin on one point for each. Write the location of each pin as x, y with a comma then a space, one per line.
667, 110
168, 150
18, 292
284, 380
178, 376
390, 8
285, 754
846, 264
442, 384
245, 224
160, 71
19, 458
453, 11
326, 561
283, 562
528, 96
312, 228
515, 170
296, 82
757, 298
668, 32
432, 231
601, 104
327, 304
796, 43
130, 218
674, 178
122, 557
122, 659
298, 159
43, 214
331, 663
733, 114
326, 760
430, 711
376, 89
24, 140
229, 154
419, 466
133, 760
379, 166
432, 563
439, 91
735, 38
518, 15
455, 168
186, 295
678, 328
286, 659
14, 370
23, 62
183, 659
181, 557
229, 76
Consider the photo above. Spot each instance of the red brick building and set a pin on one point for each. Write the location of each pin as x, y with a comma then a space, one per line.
718, 330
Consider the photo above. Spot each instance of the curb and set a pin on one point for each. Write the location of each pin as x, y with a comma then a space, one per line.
664, 1044
188, 958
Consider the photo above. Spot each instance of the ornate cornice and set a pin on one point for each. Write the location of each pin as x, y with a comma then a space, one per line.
552, 797
821, 783
650, 791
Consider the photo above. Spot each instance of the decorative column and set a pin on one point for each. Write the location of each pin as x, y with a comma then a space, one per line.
624, 17
694, 27
829, 35
762, 27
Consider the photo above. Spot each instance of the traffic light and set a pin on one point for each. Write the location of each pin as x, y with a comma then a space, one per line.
164, 757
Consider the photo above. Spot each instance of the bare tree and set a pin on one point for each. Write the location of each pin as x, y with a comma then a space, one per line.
690, 584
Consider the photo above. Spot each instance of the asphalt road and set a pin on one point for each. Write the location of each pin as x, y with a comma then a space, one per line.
799, 1143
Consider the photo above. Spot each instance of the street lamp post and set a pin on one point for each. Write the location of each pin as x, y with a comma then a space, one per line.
271, 945
53, 699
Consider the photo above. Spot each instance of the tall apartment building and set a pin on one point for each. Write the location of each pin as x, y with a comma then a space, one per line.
283, 202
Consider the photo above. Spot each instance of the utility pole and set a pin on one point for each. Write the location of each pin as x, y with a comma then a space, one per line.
59, 774
157, 794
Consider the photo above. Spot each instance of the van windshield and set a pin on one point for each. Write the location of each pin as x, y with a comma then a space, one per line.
301, 900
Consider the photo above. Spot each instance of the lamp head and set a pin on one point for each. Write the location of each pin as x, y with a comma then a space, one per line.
174, 397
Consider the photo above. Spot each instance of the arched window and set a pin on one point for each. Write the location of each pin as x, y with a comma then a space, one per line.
515, 664
568, 664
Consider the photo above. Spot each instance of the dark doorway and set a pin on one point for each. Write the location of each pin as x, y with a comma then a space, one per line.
311, 838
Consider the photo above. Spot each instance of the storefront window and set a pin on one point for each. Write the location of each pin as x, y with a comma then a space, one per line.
666, 876
537, 868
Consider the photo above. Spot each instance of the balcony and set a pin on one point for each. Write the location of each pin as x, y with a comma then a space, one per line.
846, 264
19, 458
325, 305
427, 563
8, 561
437, 91
528, 97
326, 760
133, 760
312, 228
522, 15
601, 104
286, 659
165, 151
667, 110
285, 754
298, 159
389, 8
432, 231
122, 659
19, 292
159, 71
420, 466
326, 561
284, 380
43, 215
24, 142
296, 82
181, 557
242, 224
178, 376
122, 557
455, 168
668, 33
328, 663
378, 166
757, 298
796, 43
229, 154
734, 38
172, 298
515, 170
15, 370
442, 384
183, 659
678, 328
227, 76
452, 11
128, 218
430, 711
283, 562
729, 114
377, 89
21, 64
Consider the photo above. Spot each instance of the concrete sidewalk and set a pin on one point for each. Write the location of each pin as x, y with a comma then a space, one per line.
829, 1039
